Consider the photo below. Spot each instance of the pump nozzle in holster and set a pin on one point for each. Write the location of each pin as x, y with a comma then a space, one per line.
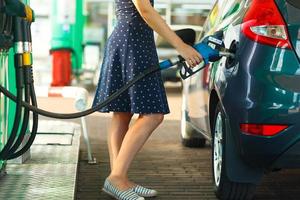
18, 9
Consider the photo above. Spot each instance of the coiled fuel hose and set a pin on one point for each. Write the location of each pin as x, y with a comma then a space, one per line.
207, 52
96, 108
17, 27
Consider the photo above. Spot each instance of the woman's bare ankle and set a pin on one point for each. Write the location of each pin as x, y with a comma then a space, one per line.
121, 182
117, 177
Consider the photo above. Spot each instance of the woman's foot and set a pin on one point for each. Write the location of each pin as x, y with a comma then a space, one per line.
120, 194
144, 192
125, 184
121, 183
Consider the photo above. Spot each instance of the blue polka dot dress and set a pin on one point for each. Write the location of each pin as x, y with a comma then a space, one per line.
129, 50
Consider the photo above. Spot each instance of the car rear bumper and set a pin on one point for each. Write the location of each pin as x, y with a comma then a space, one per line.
289, 159
281, 151
257, 91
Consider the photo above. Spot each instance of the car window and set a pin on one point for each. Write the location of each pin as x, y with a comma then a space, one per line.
221, 10
293, 14
295, 3
213, 16
210, 21
231, 7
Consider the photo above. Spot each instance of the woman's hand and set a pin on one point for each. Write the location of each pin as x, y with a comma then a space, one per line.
192, 56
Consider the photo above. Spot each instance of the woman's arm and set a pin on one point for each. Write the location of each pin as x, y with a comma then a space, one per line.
157, 23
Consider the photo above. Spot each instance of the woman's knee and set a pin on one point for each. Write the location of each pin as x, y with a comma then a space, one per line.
160, 118
156, 118
122, 116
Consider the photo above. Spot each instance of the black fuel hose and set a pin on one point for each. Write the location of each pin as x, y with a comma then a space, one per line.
30, 92
148, 71
18, 63
34, 130
18, 99
25, 121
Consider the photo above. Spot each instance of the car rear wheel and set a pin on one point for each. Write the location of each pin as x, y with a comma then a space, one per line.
224, 188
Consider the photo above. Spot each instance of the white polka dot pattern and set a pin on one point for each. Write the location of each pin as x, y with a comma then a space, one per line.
129, 50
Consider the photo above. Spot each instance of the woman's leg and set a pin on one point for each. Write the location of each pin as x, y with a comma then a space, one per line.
133, 141
118, 128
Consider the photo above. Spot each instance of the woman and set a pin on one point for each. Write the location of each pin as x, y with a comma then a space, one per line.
129, 50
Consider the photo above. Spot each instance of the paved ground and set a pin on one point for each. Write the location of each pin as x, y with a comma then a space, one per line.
50, 173
176, 172
163, 164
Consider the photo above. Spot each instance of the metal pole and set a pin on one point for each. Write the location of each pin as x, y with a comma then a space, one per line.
91, 159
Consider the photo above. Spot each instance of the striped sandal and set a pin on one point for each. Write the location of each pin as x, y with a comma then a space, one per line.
113, 191
144, 192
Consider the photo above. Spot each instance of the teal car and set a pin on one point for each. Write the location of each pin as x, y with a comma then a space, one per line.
248, 107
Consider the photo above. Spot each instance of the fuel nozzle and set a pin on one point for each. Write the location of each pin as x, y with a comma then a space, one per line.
211, 48
216, 43
18, 9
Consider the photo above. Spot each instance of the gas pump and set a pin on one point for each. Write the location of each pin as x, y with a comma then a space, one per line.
68, 19
5, 45
12, 117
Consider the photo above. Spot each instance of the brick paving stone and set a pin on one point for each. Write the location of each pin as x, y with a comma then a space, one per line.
164, 164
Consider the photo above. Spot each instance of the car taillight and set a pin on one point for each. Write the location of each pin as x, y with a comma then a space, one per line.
262, 129
264, 24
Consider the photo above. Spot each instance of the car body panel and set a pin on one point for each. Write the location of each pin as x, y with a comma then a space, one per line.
261, 86
198, 88
254, 95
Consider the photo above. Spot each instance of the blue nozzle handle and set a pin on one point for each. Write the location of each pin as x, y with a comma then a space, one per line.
170, 62
209, 54
186, 71
165, 64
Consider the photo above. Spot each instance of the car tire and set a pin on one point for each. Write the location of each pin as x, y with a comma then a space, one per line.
188, 130
224, 188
